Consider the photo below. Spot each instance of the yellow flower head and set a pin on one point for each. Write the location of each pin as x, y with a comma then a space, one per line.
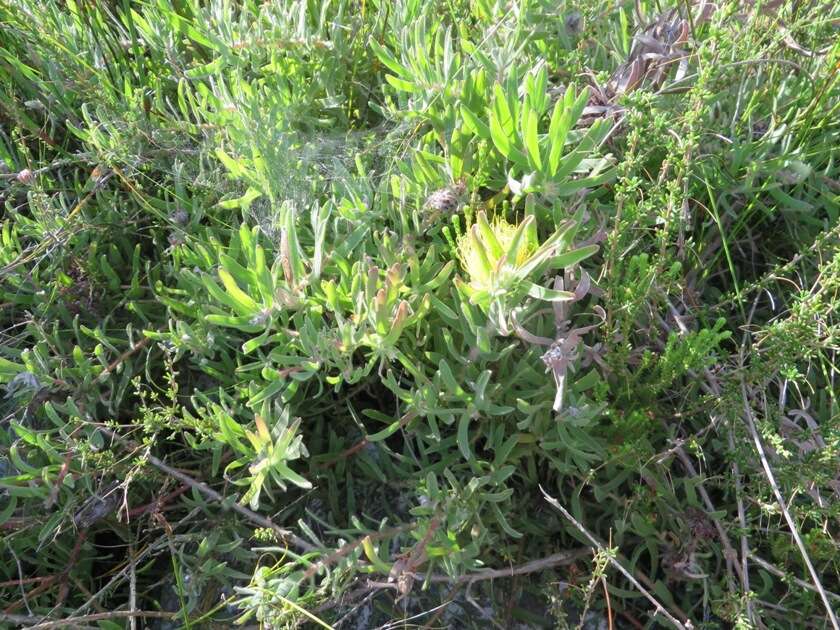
486, 248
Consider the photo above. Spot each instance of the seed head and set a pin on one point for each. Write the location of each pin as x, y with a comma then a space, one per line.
446, 199
180, 216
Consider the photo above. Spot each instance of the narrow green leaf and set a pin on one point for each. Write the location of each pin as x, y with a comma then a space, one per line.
8, 510
240, 323
265, 283
9, 370
292, 476
518, 241
400, 84
488, 237
500, 139
549, 295
267, 393
246, 305
244, 202
384, 433
573, 257
449, 379
593, 137
503, 452
294, 250
252, 344
529, 132
481, 386
110, 274
502, 111
475, 124
234, 167
384, 55
441, 277
538, 90
557, 131
503, 522
463, 435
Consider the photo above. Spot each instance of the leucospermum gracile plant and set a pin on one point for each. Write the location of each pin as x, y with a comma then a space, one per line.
503, 263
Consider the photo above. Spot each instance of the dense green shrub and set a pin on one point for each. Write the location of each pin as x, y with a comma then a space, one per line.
308, 307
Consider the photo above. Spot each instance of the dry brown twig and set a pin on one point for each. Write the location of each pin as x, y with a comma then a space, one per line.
50, 581
730, 555
349, 547
371, 587
157, 504
534, 566
120, 359
403, 570
157, 545
116, 614
349, 452
207, 491
771, 568
660, 609
794, 530
132, 587
20, 620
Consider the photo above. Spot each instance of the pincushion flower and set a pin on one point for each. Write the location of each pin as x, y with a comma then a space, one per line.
501, 260
487, 251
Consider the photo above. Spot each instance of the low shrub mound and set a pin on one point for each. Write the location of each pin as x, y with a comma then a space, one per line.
369, 314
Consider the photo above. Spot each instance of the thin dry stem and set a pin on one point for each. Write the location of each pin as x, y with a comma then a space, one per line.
207, 491
687, 625
794, 530
771, 568
116, 614
534, 566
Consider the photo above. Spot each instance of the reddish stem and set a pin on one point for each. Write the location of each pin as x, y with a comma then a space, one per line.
158, 503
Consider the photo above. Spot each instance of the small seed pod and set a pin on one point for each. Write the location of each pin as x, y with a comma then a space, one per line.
446, 199
574, 23
34, 104
97, 507
180, 216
